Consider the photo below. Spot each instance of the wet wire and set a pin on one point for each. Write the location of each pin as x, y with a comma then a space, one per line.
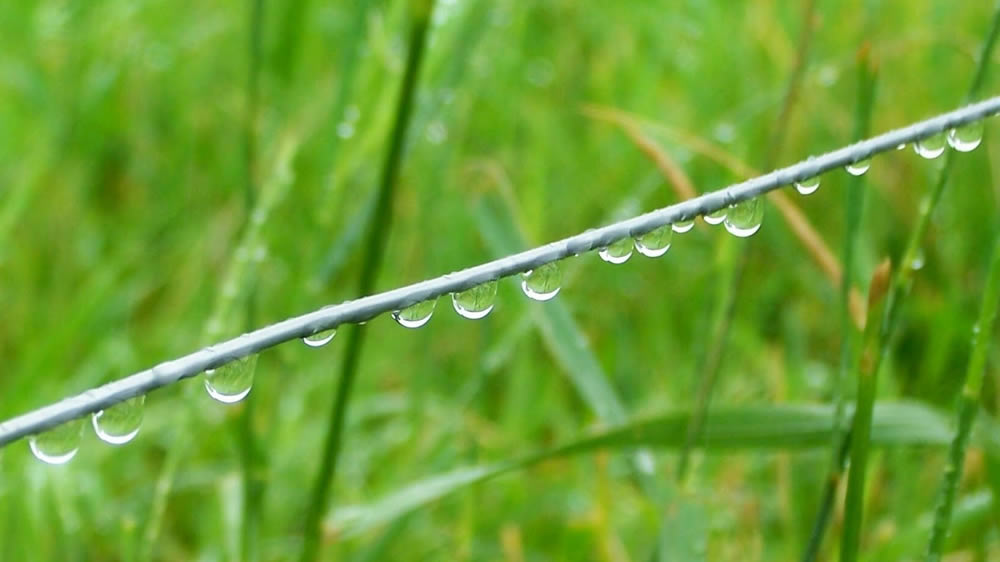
365, 308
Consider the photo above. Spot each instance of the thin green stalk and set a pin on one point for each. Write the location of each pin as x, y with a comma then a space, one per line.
722, 318
867, 374
982, 335
854, 209
377, 236
252, 456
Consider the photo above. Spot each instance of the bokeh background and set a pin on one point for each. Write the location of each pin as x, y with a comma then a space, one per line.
127, 130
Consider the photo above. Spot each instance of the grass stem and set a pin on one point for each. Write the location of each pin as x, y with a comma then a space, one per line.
375, 248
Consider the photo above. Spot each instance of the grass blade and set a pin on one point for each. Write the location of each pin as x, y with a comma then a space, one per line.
982, 334
861, 428
789, 427
375, 248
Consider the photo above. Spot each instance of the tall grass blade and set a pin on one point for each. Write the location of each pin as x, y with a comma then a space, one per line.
375, 248
968, 405
861, 428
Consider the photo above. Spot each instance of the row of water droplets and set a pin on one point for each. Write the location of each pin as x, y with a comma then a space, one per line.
962, 139
233, 381
116, 425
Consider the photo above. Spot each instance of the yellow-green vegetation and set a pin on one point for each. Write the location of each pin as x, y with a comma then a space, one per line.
174, 174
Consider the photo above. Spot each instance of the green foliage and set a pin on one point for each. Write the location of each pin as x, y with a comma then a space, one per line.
125, 241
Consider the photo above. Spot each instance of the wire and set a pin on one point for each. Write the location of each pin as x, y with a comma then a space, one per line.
364, 308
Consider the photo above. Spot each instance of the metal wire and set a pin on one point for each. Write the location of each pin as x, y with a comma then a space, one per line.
368, 307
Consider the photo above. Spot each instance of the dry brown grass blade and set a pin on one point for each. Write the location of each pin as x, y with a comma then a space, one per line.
682, 185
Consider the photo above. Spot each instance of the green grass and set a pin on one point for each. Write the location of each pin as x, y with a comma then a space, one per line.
122, 207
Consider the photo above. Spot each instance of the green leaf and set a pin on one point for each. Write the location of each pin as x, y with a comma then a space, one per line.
751, 428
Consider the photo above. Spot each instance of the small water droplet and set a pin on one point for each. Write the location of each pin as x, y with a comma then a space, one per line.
967, 138
231, 382
807, 187
617, 252
477, 302
716, 217
918, 260
319, 339
345, 130
655, 243
416, 315
681, 227
931, 147
120, 423
542, 283
859, 168
901, 146
745, 217
59, 444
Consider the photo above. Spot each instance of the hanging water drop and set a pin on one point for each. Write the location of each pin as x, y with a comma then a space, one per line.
918, 260
120, 423
617, 252
416, 315
967, 138
744, 218
859, 168
808, 186
901, 146
680, 227
231, 382
319, 339
477, 302
931, 147
716, 217
542, 283
59, 444
655, 243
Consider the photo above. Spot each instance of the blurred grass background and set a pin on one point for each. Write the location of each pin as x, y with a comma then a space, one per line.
122, 134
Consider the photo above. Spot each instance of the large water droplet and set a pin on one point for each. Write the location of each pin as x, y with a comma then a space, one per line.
59, 444
716, 217
931, 147
319, 339
967, 138
542, 283
231, 382
681, 227
918, 260
416, 315
655, 243
476, 302
744, 218
859, 168
617, 252
808, 186
120, 423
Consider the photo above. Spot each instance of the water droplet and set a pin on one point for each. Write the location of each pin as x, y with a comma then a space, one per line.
931, 147
416, 315
120, 423
918, 260
967, 138
744, 218
542, 283
655, 243
681, 227
806, 187
617, 252
859, 168
59, 444
319, 339
477, 302
901, 146
716, 217
231, 382
345, 130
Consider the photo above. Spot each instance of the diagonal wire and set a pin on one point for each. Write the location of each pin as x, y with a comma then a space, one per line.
368, 307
